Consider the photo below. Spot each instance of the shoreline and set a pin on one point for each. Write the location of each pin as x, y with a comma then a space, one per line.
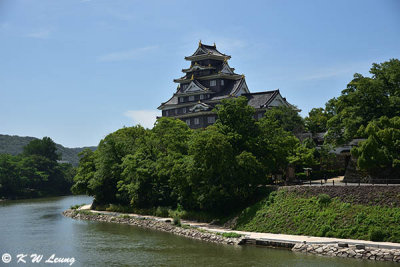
164, 226
332, 247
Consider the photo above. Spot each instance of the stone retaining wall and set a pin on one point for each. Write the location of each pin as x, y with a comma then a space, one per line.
350, 251
154, 224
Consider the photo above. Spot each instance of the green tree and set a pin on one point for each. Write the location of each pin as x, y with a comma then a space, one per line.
379, 154
287, 117
11, 183
274, 145
317, 120
109, 156
85, 173
146, 179
236, 121
44, 147
365, 99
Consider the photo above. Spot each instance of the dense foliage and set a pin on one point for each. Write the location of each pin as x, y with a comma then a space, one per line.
317, 119
14, 145
289, 213
369, 109
35, 172
379, 154
217, 169
364, 100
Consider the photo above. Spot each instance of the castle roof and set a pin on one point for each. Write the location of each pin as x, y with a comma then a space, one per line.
207, 51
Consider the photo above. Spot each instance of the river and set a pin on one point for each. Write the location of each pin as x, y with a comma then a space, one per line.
38, 227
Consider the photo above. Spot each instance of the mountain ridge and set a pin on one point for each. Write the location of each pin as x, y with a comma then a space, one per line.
14, 144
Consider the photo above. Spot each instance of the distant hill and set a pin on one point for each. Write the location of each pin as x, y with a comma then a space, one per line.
13, 144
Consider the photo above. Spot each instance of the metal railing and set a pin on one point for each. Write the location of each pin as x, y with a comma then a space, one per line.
358, 182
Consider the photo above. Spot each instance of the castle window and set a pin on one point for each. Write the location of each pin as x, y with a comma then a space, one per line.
176, 111
201, 97
211, 119
166, 113
222, 82
213, 83
184, 86
181, 99
188, 122
191, 98
183, 110
196, 121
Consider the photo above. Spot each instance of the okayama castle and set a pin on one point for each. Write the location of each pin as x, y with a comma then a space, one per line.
207, 81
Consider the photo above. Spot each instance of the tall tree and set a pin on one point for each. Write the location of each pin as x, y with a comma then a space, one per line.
236, 121
287, 117
44, 147
365, 99
316, 120
379, 154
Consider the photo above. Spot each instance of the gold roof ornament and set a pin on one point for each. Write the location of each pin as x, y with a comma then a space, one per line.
192, 77
243, 76
209, 65
225, 60
196, 63
215, 45
199, 42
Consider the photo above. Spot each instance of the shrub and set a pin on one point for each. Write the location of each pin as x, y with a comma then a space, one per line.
324, 199
231, 235
124, 216
161, 212
86, 212
177, 221
376, 234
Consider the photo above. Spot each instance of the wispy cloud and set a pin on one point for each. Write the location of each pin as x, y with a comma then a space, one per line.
146, 118
40, 34
128, 54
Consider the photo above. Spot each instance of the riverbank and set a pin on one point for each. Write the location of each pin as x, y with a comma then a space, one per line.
161, 224
346, 248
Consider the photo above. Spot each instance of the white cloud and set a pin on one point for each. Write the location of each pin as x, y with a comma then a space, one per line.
39, 34
128, 54
146, 118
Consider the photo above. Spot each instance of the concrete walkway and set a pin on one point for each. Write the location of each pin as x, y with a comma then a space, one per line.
256, 237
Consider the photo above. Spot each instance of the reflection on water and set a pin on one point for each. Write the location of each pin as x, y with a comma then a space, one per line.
37, 226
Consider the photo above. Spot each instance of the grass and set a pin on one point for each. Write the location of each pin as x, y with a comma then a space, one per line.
86, 212
287, 213
230, 235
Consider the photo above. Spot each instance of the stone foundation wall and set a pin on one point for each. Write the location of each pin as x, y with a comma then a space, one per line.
351, 251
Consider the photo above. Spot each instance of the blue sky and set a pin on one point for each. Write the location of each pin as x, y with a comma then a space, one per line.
76, 70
